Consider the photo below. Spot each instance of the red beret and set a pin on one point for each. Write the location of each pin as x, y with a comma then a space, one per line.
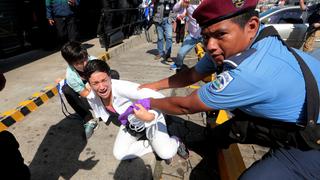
213, 11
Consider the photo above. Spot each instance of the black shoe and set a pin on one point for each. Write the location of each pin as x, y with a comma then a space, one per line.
157, 57
183, 151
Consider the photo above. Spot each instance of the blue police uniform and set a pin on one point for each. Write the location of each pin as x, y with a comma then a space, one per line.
267, 82
264, 82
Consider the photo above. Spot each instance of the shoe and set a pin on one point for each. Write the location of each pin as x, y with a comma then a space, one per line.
157, 57
89, 128
182, 151
174, 67
169, 59
168, 161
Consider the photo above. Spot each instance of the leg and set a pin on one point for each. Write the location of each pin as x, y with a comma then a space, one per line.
285, 164
308, 44
168, 35
164, 145
160, 39
79, 106
186, 46
72, 29
61, 29
128, 147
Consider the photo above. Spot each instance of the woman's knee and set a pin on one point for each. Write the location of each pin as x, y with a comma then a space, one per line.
165, 153
119, 155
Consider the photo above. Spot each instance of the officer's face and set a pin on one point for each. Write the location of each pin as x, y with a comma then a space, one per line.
100, 82
226, 38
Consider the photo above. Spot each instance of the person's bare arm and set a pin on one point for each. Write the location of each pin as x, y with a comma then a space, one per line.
85, 92
181, 79
316, 25
302, 5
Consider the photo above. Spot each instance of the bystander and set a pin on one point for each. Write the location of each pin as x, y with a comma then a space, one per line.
62, 14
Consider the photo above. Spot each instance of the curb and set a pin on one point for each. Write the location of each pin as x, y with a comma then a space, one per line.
24, 108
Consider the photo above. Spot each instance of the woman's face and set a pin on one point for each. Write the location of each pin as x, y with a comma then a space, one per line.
100, 82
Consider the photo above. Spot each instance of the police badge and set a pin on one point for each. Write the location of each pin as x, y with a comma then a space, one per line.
238, 3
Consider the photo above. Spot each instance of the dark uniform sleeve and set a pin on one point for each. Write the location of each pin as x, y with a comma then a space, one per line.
206, 65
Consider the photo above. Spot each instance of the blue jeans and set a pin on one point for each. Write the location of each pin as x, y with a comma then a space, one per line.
188, 43
164, 30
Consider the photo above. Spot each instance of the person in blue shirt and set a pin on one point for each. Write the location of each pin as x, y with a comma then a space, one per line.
62, 14
271, 89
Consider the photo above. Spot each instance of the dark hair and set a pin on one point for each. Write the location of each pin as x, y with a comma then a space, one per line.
243, 18
73, 52
95, 65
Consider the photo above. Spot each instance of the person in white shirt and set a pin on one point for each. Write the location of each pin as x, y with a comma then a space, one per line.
109, 97
194, 30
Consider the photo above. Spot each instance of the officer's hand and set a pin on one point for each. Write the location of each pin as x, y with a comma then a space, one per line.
51, 22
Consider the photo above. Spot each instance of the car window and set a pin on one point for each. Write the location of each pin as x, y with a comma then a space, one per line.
289, 16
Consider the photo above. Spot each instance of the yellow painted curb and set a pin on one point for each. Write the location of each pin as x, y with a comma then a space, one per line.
12, 116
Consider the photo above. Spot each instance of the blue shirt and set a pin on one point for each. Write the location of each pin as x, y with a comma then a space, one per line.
59, 8
269, 83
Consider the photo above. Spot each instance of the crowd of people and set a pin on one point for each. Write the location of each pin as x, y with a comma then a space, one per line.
271, 89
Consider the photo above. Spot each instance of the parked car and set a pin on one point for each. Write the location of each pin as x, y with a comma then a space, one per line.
290, 24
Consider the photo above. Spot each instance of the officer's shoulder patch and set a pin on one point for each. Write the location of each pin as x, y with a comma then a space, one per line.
221, 81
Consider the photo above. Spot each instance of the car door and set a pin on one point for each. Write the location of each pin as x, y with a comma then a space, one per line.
290, 25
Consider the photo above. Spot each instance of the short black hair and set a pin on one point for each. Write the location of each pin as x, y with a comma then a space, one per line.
96, 65
73, 51
243, 18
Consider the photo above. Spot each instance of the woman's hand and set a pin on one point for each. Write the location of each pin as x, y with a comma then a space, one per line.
143, 114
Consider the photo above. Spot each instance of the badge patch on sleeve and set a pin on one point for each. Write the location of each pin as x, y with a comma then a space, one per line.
222, 81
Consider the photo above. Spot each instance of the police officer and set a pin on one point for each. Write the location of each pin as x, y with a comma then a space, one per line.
272, 89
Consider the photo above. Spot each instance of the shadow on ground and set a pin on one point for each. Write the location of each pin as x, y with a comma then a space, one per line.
58, 153
197, 139
152, 51
133, 169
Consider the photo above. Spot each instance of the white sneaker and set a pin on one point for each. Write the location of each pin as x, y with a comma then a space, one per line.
89, 127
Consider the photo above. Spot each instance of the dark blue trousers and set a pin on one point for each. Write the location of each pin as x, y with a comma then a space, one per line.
284, 161
285, 164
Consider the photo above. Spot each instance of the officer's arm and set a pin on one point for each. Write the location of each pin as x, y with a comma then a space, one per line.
180, 105
182, 79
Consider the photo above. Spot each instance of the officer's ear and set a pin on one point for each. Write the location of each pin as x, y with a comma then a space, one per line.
252, 26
